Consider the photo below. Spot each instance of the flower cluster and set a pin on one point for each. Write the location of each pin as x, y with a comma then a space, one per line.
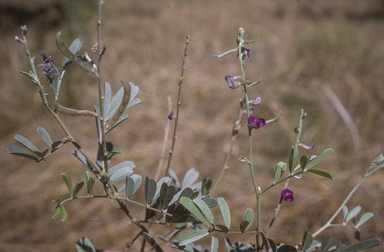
48, 66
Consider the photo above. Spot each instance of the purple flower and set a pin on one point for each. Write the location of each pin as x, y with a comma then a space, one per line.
287, 195
256, 101
170, 116
230, 81
244, 52
256, 122
48, 66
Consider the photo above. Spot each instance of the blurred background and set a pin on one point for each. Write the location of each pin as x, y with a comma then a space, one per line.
326, 57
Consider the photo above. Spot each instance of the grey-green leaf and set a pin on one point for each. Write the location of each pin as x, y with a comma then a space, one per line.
150, 189
74, 48
352, 214
326, 174
225, 212
205, 209
214, 244
293, 158
120, 171
84, 245
306, 241
363, 245
26, 143
68, 182
190, 205
107, 98
83, 160
319, 158
364, 218
191, 236
190, 177
18, 151
327, 243
45, 136
114, 105
345, 213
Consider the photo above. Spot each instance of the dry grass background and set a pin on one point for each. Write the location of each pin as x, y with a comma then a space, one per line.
301, 47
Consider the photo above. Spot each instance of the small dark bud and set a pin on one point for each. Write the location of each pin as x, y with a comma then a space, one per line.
296, 130
170, 116
109, 146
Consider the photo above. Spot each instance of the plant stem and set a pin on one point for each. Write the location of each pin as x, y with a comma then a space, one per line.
178, 107
328, 223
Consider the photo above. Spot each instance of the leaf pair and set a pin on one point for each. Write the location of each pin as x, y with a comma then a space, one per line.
37, 155
201, 210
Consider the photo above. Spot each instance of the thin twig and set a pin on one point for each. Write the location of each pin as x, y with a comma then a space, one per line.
178, 107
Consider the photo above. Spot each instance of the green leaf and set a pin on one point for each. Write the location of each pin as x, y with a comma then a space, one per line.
287, 248
265, 244
57, 212
190, 205
363, 245
68, 182
26, 143
18, 151
319, 158
190, 177
150, 190
247, 220
365, 217
279, 170
306, 241
45, 136
293, 158
90, 181
129, 186
205, 209
74, 48
64, 214
67, 53
84, 245
303, 161
352, 214
326, 174
191, 236
120, 171
214, 244
327, 243
78, 187
225, 212
31, 77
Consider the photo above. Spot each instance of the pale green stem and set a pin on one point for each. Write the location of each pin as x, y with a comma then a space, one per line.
328, 223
